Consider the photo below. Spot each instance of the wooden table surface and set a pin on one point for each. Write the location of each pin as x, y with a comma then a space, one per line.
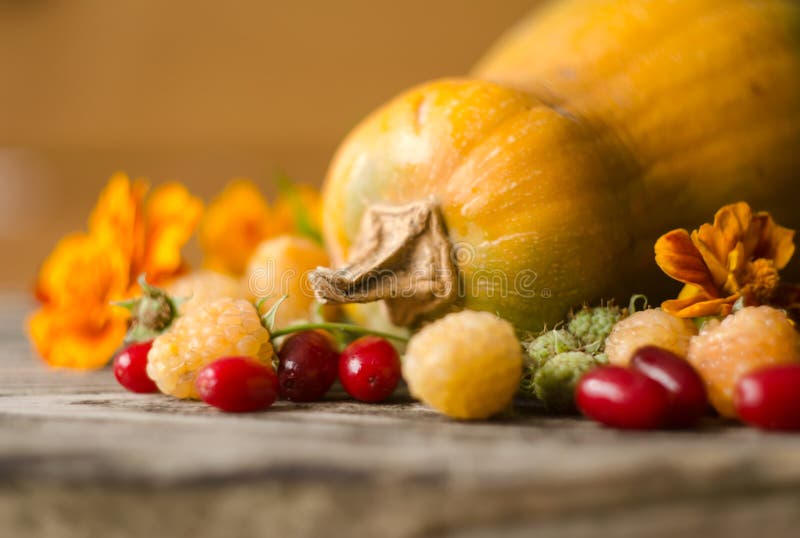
81, 457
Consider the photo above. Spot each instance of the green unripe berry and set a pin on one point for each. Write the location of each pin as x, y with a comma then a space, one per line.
540, 350
549, 344
554, 383
593, 325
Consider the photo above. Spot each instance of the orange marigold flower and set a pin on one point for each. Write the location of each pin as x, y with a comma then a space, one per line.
239, 219
738, 256
77, 326
298, 210
171, 216
117, 218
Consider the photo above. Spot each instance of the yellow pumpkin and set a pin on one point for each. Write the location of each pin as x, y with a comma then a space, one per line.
628, 119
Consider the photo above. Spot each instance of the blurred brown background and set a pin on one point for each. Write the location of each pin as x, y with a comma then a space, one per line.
199, 92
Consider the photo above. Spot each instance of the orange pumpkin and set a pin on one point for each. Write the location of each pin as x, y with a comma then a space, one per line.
703, 94
624, 125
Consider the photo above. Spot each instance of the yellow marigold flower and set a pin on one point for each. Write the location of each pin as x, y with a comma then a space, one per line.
239, 219
738, 256
77, 326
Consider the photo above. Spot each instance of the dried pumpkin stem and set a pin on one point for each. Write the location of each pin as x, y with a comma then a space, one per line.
402, 255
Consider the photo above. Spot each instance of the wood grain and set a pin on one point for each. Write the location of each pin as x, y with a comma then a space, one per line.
81, 457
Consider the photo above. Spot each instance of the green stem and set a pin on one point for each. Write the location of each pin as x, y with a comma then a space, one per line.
336, 327
635, 299
302, 220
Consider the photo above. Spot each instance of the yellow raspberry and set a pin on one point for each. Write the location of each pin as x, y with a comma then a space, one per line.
466, 365
280, 267
752, 338
652, 327
200, 287
220, 328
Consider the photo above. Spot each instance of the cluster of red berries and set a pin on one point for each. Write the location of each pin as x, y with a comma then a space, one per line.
308, 365
661, 390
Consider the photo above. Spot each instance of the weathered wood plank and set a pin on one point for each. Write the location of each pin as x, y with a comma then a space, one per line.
81, 457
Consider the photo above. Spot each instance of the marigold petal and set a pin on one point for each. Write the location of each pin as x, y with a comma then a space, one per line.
236, 222
691, 291
717, 267
737, 270
64, 341
756, 235
81, 271
774, 242
730, 223
679, 258
171, 216
117, 217
734, 218
696, 306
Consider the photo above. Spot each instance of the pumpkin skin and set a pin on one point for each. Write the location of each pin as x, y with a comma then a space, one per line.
705, 94
604, 145
534, 202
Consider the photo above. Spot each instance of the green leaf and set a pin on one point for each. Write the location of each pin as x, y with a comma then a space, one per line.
302, 219
269, 318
